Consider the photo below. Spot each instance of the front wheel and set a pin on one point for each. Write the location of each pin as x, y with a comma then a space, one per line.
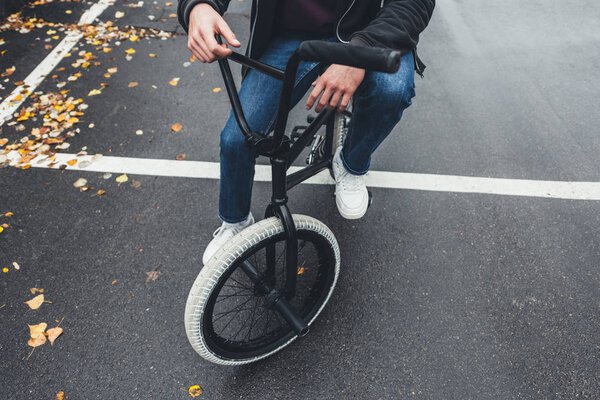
229, 316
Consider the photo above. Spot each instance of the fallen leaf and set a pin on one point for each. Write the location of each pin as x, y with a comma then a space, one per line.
107, 175
101, 192
135, 184
174, 81
36, 302
81, 182
122, 178
112, 70
37, 341
5, 270
72, 162
152, 55
60, 395
130, 51
53, 333
114, 282
16, 265
139, 132
195, 391
36, 331
216, 90
300, 271
176, 127
35, 290
152, 276
119, 14
132, 84
94, 92
180, 156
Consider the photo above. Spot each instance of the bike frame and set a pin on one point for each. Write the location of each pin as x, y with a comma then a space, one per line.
282, 153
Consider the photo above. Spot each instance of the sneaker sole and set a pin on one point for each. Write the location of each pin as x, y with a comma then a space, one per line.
350, 215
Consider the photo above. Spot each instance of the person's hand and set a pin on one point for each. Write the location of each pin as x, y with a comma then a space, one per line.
204, 24
337, 84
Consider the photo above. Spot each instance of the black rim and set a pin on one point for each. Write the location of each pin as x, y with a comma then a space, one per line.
238, 322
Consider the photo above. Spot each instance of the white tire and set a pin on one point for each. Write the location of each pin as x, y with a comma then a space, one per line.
226, 257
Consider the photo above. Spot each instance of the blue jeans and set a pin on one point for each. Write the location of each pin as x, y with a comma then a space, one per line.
378, 105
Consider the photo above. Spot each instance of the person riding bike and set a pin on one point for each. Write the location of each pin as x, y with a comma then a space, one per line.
277, 29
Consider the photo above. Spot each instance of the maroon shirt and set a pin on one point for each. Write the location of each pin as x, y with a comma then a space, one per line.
316, 16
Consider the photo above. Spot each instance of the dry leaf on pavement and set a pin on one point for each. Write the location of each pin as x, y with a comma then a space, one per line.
174, 81
35, 290
37, 341
132, 84
36, 302
216, 90
37, 330
53, 333
180, 156
122, 178
60, 395
176, 127
195, 391
81, 182
152, 276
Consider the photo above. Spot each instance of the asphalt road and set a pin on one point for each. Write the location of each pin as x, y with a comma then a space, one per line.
442, 295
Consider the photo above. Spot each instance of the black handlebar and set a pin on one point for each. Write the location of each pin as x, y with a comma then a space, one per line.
371, 58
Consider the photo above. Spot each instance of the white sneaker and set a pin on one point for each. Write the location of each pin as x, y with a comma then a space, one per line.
351, 195
222, 235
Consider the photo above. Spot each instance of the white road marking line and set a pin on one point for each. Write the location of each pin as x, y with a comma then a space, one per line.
375, 179
37, 76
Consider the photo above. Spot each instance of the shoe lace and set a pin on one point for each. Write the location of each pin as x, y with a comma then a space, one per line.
352, 182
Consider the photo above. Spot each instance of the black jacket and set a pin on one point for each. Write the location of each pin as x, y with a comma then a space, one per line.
394, 24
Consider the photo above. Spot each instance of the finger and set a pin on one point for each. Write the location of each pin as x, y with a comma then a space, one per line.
345, 101
335, 99
314, 94
212, 47
199, 51
195, 49
227, 33
324, 100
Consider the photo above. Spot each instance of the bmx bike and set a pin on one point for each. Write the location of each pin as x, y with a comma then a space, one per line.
268, 284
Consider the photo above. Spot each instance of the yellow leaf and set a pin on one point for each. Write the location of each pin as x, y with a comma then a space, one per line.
94, 92
101, 192
152, 55
53, 333
37, 341
132, 84
4, 269
122, 178
176, 127
134, 38
72, 162
35, 290
130, 51
37, 330
36, 302
300, 271
112, 70
8, 214
174, 81
106, 49
60, 395
1, 229
26, 166
195, 391
216, 90
68, 12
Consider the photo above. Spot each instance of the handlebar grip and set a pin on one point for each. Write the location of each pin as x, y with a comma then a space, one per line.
371, 58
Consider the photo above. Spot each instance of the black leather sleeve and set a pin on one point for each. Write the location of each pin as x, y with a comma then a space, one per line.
397, 25
184, 7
